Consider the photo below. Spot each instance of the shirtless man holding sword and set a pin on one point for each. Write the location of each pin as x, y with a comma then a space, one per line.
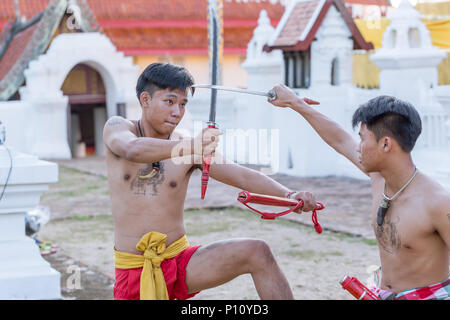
153, 258
410, 212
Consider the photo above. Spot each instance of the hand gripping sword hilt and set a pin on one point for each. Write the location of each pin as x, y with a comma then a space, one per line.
206, 165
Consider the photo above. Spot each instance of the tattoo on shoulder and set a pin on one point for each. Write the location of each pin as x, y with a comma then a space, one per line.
448, 216
149, 186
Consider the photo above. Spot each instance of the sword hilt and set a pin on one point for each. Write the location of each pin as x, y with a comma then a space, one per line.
206, 164
272, 95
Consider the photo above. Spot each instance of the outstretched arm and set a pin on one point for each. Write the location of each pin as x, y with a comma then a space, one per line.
232, 174
330, 131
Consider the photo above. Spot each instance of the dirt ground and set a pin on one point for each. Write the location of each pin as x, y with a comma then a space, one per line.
82, 226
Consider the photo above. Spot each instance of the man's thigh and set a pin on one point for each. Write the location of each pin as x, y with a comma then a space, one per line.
219, 262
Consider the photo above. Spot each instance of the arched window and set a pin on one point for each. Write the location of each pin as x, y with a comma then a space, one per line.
392, 39
335, 72
413, 38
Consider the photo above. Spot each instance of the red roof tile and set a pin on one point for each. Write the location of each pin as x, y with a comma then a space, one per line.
28, 8
297, 23
310, 14
147, 26
15, 50
136, 41
178, 9
368, 2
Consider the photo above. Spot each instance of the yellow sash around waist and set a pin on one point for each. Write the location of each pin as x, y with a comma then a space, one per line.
153, 245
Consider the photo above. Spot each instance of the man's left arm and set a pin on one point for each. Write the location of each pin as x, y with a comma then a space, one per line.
441, 217
253, 181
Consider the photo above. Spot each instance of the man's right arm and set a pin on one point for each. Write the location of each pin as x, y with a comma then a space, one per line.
120, 139
330, 131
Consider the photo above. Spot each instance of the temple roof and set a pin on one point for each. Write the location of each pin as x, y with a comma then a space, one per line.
135, 27
369, 2
23, 41
138, 27
303, 18
152, 27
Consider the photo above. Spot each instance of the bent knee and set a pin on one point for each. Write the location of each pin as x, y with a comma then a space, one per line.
259, 252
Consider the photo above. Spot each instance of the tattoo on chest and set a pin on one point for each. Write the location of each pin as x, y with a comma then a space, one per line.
146, 180
388, 236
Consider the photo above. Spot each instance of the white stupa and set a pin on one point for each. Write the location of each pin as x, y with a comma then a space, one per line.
24, 274
407, 56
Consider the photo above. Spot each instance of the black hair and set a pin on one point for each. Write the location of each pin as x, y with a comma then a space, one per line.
389, 116
160, 76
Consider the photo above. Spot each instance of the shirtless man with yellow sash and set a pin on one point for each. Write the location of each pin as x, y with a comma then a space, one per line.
153, 258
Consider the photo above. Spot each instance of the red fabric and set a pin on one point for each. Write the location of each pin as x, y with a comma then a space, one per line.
438, 291
127, 285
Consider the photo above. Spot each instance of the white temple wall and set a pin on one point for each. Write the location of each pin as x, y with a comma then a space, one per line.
302, 152
45, 107
333, 41
18, 118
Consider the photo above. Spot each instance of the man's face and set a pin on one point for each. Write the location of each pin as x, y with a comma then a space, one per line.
165, 109
370, 150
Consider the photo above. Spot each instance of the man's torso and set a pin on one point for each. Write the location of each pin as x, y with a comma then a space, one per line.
141, 204
411, 251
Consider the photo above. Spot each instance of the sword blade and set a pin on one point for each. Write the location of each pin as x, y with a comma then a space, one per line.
215, 66
214, 32
269, 94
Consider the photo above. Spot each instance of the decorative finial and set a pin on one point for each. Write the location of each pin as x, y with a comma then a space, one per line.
263, 19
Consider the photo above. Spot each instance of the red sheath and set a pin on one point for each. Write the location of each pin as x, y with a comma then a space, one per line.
246, 197
357, 289
205, 171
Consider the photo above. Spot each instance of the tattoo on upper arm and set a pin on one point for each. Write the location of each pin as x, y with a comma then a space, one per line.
448, 216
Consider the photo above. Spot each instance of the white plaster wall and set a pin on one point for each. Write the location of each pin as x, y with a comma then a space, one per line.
302, 152
18, 117
309, 154
333, 41
45, 76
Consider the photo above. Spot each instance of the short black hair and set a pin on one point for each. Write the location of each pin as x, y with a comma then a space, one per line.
389, 116
160, 76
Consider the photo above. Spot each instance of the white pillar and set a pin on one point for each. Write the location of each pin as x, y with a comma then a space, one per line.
24, 274
264, 71
50, 127
100, 118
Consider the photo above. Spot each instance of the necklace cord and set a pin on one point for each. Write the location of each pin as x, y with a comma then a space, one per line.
401, 189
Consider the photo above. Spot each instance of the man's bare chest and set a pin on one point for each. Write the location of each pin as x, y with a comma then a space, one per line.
405, 227
153, 180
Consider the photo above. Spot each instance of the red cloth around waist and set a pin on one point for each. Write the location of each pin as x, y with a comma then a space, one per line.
127, 285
